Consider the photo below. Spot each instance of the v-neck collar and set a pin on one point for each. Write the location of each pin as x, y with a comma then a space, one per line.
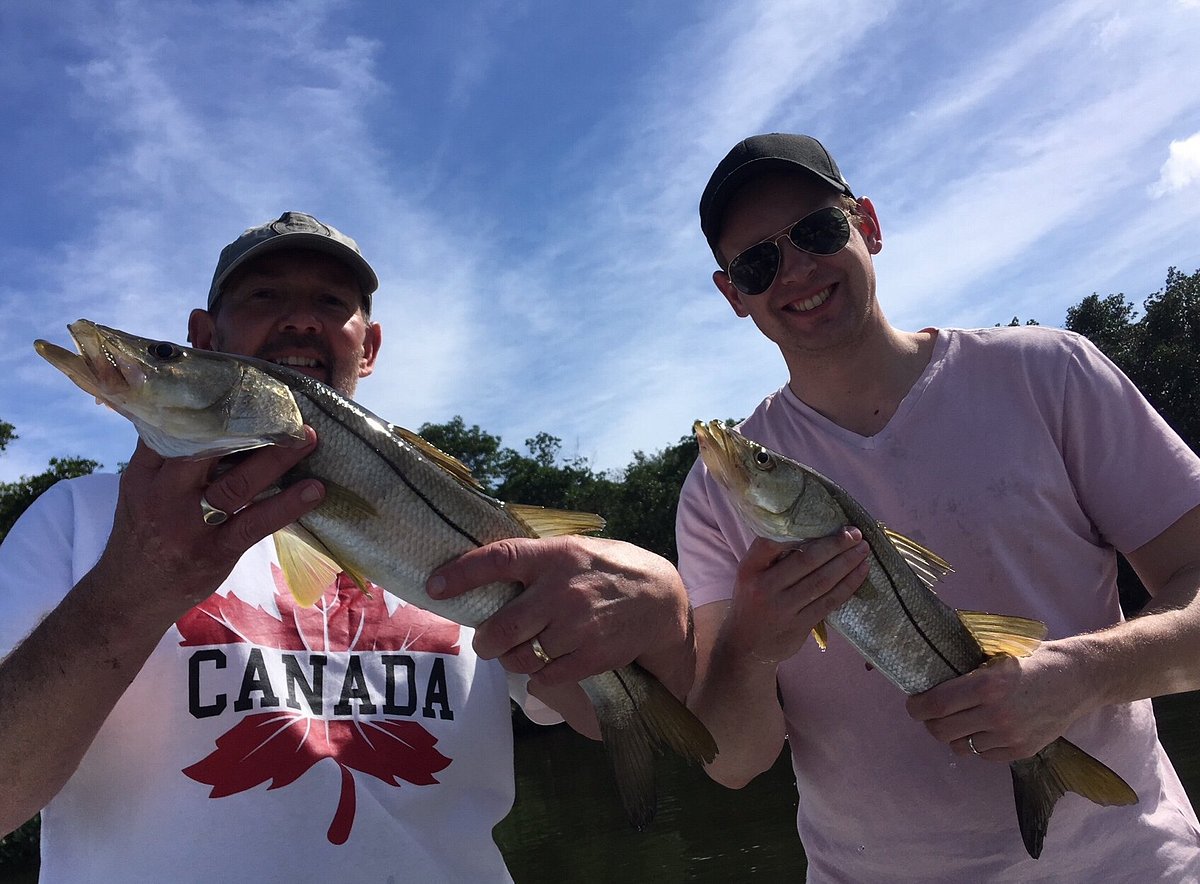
941, 345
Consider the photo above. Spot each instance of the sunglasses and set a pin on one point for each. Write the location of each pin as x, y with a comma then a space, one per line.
823, 232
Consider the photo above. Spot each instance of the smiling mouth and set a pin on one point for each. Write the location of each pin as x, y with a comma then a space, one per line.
810, 303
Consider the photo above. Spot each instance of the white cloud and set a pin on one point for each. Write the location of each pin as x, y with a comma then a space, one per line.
1182, 168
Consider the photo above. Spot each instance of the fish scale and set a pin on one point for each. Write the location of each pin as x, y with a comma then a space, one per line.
423, 511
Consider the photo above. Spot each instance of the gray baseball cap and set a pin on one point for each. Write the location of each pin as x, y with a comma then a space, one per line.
293, 230
754, 156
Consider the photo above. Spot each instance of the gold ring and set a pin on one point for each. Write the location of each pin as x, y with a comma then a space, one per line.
210, 514
539, 651
971, 744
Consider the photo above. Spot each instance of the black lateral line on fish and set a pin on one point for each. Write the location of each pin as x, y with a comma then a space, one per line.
392, 466
917, 626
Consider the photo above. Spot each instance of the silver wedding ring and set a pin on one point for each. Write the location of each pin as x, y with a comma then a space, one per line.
971, 744
539, 651
210, 514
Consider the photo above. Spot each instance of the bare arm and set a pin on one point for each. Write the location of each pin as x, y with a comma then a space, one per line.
782, 592
1012, 708
161, 559
593, 604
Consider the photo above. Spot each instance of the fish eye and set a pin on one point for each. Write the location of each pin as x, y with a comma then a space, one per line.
164, 350
763, 458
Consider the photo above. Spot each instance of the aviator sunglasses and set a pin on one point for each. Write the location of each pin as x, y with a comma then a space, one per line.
823, 232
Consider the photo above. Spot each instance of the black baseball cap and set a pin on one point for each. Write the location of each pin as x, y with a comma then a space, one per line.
293, 230
758, 154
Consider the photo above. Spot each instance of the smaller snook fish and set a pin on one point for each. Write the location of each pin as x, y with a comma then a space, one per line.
395, 508
895, 620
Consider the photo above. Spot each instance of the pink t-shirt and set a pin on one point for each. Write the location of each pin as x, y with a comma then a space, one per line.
1023, 457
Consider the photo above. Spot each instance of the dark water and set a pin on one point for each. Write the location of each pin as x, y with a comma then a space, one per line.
567, 824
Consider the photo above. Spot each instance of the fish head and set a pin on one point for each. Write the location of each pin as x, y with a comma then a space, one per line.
184, 402
776, 496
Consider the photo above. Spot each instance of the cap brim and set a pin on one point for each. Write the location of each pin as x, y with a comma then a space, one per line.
315, 242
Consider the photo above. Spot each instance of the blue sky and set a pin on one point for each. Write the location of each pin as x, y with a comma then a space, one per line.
524, 178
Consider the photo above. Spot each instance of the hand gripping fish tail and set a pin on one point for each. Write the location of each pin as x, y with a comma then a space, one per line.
895, 620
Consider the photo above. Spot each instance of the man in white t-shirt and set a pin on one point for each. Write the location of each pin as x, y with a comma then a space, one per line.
177, 717
1021, 456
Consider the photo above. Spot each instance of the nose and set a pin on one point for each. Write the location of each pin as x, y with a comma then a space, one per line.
794, 264
300, 318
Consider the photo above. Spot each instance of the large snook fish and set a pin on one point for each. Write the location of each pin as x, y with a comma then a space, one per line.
894, 619
395, 509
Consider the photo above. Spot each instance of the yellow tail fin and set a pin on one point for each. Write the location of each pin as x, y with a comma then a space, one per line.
1061, 767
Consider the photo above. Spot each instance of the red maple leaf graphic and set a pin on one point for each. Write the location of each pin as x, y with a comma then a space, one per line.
280, 746
344, 619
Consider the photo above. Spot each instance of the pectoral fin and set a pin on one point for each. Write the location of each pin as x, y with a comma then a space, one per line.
821, 634
308, 567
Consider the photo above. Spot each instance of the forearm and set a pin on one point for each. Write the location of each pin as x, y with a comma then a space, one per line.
1154, 653
82, 657
736, 696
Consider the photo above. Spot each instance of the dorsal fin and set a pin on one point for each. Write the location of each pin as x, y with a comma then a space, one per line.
926, 564
1004, 634
447, 462
543, 522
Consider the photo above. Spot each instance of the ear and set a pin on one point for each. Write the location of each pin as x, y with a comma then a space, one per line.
732, 295
201, 329
868, 225
372, 340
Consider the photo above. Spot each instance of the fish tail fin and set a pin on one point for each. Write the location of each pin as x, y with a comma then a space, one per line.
638, 718
1061, 767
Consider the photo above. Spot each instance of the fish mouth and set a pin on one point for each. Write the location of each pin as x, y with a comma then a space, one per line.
719, 453
100, 366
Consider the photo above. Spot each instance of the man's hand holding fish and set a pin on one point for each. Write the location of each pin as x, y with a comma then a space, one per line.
1012, 706
581, 595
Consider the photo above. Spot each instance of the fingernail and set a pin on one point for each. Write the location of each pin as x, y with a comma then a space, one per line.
312, 492
435, 586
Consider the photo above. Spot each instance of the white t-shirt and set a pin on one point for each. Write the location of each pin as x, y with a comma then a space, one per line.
358, 740
1022, 457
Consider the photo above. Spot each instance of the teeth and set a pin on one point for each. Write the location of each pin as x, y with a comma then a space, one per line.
296, 362
815, 301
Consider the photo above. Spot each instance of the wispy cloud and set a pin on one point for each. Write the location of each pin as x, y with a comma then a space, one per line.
548, 274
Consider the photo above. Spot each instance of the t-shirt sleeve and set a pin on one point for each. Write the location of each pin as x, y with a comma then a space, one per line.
709, 539
36, 564
1134, 475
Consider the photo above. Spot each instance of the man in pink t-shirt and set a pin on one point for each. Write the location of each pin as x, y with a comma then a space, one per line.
1023, 457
